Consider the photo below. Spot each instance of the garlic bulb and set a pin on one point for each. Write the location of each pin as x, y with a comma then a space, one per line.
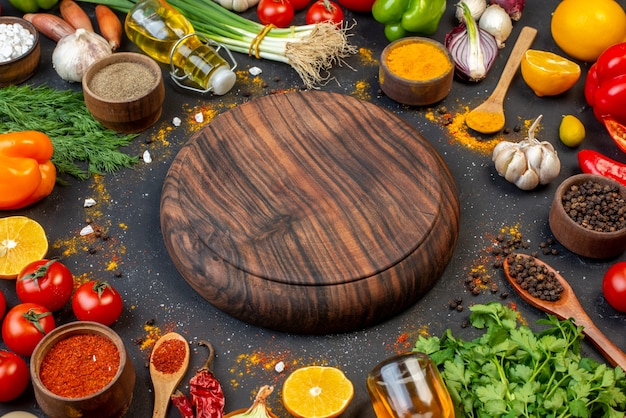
477, 7
76, 52
527, 163
497, 22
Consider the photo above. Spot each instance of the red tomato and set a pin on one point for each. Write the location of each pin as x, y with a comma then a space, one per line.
299, 4
25, 325
275, 12
46, 282
357, 5
324, 11
614, 286
14, 376
97, 301
3, 305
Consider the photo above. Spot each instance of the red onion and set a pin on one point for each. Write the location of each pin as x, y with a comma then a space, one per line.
473, 50
512, 7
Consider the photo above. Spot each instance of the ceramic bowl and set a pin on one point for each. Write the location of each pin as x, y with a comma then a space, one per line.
124, 91
22, 68
576, 238
112, 400
415, 52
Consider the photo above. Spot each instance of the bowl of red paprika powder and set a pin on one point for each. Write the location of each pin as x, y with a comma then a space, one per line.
82, 369
588, 216
416, 71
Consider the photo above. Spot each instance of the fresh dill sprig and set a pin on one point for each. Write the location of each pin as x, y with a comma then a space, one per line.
75, 134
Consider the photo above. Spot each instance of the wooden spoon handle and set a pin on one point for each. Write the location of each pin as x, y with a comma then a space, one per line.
524, 41
161, 402
610, 351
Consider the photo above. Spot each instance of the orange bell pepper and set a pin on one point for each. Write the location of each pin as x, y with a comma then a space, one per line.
26, 173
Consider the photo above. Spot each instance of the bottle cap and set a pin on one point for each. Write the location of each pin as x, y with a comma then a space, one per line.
222, 80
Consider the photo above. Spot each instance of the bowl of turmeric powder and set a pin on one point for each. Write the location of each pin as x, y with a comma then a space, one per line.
416, 71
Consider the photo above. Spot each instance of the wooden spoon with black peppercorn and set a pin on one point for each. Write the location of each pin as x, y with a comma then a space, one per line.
565, 307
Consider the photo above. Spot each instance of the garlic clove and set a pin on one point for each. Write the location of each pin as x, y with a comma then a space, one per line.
528, 180
550, 168
516, 167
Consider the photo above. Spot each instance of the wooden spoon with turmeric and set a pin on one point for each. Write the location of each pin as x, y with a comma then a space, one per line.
488, 118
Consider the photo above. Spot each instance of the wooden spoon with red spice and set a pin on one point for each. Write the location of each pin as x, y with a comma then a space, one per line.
168, 364
568, 306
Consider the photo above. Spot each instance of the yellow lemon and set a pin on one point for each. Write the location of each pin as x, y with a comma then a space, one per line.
571, 131
317, 392
547, 73
22, 241
585, 28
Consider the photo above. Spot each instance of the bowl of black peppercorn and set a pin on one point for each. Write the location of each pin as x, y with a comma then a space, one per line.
588, 216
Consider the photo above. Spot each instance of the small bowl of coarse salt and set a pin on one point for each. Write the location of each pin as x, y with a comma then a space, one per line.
20, 51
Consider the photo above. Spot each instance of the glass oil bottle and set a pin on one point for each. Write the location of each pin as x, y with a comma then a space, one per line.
167, 36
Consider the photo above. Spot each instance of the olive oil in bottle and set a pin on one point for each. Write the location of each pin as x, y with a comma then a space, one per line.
167, 36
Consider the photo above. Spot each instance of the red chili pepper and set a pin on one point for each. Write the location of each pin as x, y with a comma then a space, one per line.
593, 162
206, 392
181, 402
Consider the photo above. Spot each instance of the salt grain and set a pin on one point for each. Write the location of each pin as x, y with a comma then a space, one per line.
280, 367
199, 117
176, 121
255, 71
89, 203
86, 231
146, 157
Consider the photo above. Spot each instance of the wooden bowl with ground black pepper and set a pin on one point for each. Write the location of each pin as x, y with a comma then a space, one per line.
82, 369
21, 50
124, 91
588, 216
416, 71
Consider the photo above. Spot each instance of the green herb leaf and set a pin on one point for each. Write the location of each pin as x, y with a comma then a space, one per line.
76, 136
511, 371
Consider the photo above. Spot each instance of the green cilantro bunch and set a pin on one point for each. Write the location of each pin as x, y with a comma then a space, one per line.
511, 371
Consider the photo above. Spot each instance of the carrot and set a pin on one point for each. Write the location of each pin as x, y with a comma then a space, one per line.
73, 14
50, 25
110, 25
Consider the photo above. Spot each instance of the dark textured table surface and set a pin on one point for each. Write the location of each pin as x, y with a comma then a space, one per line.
157, 299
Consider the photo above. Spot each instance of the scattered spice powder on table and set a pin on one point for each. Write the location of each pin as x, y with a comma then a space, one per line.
79, 365
168, 356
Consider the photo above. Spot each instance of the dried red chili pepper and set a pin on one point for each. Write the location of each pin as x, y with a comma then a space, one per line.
181, 402
206, 392
593, 162
207, 396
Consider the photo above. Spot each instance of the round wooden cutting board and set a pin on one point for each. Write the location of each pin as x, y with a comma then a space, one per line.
309, 212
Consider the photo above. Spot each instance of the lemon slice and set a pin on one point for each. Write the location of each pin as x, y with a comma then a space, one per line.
317, 392
22, 241
547, 73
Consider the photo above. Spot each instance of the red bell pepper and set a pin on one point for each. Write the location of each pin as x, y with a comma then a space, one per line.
605, 91
593, 162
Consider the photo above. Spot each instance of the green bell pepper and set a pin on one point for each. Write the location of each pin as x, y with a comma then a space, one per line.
408, 17
31, 6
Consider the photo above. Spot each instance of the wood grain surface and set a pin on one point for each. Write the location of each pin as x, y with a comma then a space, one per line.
309, 212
